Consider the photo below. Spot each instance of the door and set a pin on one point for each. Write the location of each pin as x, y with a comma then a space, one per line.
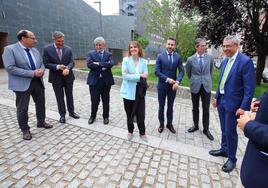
3, 43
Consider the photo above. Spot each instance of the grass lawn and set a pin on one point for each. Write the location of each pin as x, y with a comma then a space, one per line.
185, 81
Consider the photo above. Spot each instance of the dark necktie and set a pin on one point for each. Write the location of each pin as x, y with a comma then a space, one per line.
201, 62
100, 55
170, 60
59, 53
30, 58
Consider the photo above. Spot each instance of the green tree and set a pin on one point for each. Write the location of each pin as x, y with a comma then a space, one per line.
167, 19
246, 17
144, 41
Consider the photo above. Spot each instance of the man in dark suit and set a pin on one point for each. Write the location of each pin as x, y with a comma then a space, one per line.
167, 65
58, 58
254, 169
25, 77
100, 79
233, 97
199, 69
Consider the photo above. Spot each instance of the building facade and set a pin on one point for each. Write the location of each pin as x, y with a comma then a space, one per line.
77, 20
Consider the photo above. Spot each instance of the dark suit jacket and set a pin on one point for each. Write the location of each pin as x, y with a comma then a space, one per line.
51, 60
163, 69
254, 169
240, 83
103, 67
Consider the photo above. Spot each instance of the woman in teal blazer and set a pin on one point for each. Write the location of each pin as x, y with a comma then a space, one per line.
134, 70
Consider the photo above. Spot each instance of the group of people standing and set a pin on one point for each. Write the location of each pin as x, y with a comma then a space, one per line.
234, 94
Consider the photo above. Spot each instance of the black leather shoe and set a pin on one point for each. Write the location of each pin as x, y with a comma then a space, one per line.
91, 120
160, 128
192, 129
228, 166
74, 115
27, 135
208, 134
218, 153
171, 128
105, 121
62, 119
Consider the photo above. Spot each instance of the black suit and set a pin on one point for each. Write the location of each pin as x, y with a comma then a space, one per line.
59, 82
100, 79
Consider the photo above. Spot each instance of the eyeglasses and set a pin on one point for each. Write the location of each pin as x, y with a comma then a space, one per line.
33, 38
227, 46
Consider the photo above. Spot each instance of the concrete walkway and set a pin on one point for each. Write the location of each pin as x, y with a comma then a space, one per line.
76, 154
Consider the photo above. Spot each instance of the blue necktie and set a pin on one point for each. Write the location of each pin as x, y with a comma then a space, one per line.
30, 58
100, 55
201, 62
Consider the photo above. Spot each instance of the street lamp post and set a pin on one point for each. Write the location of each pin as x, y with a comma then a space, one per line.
101, 29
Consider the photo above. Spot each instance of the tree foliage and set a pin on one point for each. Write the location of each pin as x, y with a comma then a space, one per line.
144, 41
244, 17
167, 19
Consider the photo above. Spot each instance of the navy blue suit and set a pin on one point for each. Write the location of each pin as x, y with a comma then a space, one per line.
59, 82
164, 69
254, 169
100, 79
238, 92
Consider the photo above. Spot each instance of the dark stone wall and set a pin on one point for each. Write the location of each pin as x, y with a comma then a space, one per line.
77, 20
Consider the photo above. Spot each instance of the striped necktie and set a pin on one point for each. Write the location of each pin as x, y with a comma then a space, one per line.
30, 58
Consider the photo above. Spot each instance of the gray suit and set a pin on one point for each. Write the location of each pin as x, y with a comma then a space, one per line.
197, 76
22, 81
200, 86
19, 70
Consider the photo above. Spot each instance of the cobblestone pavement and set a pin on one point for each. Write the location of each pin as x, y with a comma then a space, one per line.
76, 154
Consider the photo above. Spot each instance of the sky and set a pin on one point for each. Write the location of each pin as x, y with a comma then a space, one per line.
108, 7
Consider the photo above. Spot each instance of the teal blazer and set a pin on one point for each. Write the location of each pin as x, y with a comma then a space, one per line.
130, 77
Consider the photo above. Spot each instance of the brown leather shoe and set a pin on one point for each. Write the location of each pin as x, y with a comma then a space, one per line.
45, 125
27, 135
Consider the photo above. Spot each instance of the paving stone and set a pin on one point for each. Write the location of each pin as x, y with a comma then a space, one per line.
137, 182
22, 183
35, 172
46, 164
55, 178
88, 183
159, 185
19, 174
124, 184
60, 185
83, 175
183, 182
96, 173
129, 175
6, 184
38, 180
171, 184
150, 180
69, 177
49, 171
64, 169
116, 177
72, 161
3, 175
144, 165
74, 184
